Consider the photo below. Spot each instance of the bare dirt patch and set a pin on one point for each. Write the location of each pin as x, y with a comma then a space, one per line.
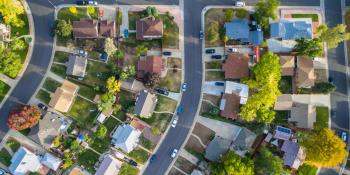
212, 98
184, 165
174, 63
174, 171
203, 132
193, 144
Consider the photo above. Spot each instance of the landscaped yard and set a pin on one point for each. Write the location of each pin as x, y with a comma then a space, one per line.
281, 117
97, 74
127, 169
307, 170
139, 155
174, 62
61, 57
172, 80
214, 76
58, 69
213, 65
88, 158
170, 33
51, 85
110, 124
147, 143
82, 12
100, 145
285, 85
43, 96
4, 88
5, 157
322, 117
214, 15
314, 17
159, 121
133, 17
13, 144
85, 90
132, 42
83, 111
165, 104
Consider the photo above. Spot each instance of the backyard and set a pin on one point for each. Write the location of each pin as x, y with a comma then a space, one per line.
83, 111
88, 158
4, 88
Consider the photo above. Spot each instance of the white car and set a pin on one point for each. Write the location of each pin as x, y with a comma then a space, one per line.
173, 124
184, 87
173, 154
233, 49
239, 3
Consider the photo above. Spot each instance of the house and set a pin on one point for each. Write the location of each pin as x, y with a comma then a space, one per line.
125, 138
107, 29
145, 104
284, 102
282, 133
303, 115
64, 96
104, 115
243, 140
238, 29
85, 28
291, 28
305, 75
51, 161
24, 161
109, 165
78, 171
5, 32
240, 89
294, 155
287, 63
76, 65
149, 28
280, 46
216, 148
236, 66
132, 84
150, 64
196, 172
229, 106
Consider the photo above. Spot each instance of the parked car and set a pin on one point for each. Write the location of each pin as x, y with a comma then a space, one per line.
239, 3
219, 83
330, 79
82, 53
92, 2
173, 124
167, 53
216, 57
173, 154
2, 171
344, 136
333, 113
42, 106
103, 57
233, 49
153, 158
179, 110
132, 162
209, 51
80, 2
201, 34
184, 87
162, 91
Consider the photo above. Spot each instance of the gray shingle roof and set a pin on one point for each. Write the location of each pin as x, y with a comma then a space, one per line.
216, 148
145, 104
287, 29
76, 65
244, 139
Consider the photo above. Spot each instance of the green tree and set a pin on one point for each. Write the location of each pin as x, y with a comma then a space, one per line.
333, 36
151, 80
241, 13
119, 53
213, 32
309, 47
124, 75
155, 130
232, 164
106, 102
120, 17
74, 146
73, 10
63, 28
67, 161
229, 14
11, 10
267, 163
141, 50
17, 44
323, 148
264, 87
323, 88
91, 10
109, 46
155, 12
148, 11
101, 131
264, 10
10, 62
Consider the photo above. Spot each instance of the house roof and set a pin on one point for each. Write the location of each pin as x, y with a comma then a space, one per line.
290, 29
294, 155
76, 65
240, 89
244, 139
256, 37
304, 115
109, 165
104, 115
277, 46
229, 106
51, 161
24, 161
85, 28
236, 66
145, 104
148, 28
107, 28
305, 76
284, 102
132, 84
78, 171
125, 138
282, 133
216, 148
63, 97
237, 29
149, 64
287, 63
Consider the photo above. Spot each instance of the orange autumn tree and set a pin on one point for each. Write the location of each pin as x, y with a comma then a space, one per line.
23, 117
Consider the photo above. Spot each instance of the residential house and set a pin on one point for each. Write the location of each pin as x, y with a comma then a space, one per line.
287, 63
216, 148
76, 65
196, 172
236, 66
51, 161
280, 46
109, 165
294, 155
291, 28
305, 75
149, 28
150, 64
64, 96
284, 102
145, 104
5, 32
78, 171
303, 115
125, 138
243, 141
238, 88
107, 29
239, 29
132, 84
105, 114
91, 29
282, 133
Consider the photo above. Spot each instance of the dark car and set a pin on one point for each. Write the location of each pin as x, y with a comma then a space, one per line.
81, 2
216, 57
42, 106
132, 162
179, 110
209, 51
153, 158
219, 84
330, 79
162, 91
2, 171
167, 53
104, 57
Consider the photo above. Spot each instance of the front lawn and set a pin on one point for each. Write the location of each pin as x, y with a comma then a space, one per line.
61, 57
139, 155
97, 73
133, 42
307, 170
214, 15
165, 104
159, 121
13, 144
214, 76
285, 85
133, 17
170, 32
83, 111
172, 80
173, 62
314, 17
85, 90
58, 69
322, 117
5, 157
65, 14
51, 84
4, 88
147, 143
127, 169
88, 158
43, 96
213, 65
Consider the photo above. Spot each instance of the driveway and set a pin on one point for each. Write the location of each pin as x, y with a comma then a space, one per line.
210, 88
222, 129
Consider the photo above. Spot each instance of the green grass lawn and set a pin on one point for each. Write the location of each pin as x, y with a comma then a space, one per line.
97, 74
85, 90
165, 104
4, 88
43, 96
83, 111
58, 69
147, 143
19, 31
126, 99
285, 85
313, 16
133, 17
61, 57
13, 144
322, 117
307, 170
132, 42
51, 84
170, 33
172, 80
139, 155
110, 124
65, 14
88, 158
159, 121
100, 145
281, 117
5, 157
213, 65
214, 75
127, 169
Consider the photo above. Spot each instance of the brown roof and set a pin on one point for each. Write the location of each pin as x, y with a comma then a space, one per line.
63, 97
305, 76
85, 28
287, 65
149, 28
107, 28
236, 66
151, 64
230, 104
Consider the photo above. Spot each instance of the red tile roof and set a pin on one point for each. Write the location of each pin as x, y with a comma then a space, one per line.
149, 28
107, 28
236, 66
149, 64
85, 28
231, 106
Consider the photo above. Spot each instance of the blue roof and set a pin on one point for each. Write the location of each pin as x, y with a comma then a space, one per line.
256, 37
122, 133
291, 30
237, 29
283, 129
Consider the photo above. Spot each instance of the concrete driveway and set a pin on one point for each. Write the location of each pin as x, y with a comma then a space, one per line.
210, 88
218, 51
222, 129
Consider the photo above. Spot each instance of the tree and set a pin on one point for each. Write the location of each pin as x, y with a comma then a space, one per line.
226, 39
74, 146
17, 44
267, 163
113, 85
333, 36
241, 13
323, 148
23, 117
213, 32
151, 80
91, 10
124, 75
149, 11
10, 62
63, 28
68, 162
120, 17
264, 10
232, 164
106, 102
155, 131
308, 47
109, 46
155, 12
119, 53
141, 50
73, 10
264, 85
10, 11
101, 131
323, 88
229, 14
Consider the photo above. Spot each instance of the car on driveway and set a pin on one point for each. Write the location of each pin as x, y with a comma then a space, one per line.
184, 87
219, 83
153, 158
233, 49
173, 124
82, 53
173, 154
209, 51
132, 162
162, 91
201, 34
216, 57
42, 106
167, 53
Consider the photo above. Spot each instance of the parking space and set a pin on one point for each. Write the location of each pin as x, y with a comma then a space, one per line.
211, 88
